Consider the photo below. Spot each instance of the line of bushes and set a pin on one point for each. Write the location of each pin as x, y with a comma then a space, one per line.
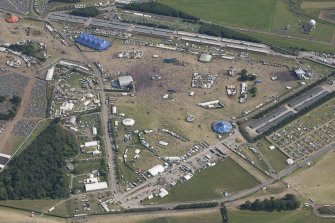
224, 213
220, 31
197, 205
288, 202
86, 12
160, 9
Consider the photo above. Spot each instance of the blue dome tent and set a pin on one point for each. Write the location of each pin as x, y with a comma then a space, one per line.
222, 127
92, 41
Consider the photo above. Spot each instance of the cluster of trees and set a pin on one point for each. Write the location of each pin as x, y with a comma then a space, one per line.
15, 100
39, 172
160, 9
288, 202
86, 12
215, 30
30, 48
197, 205
244, 76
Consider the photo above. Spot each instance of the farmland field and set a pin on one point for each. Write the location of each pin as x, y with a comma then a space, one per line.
236, 216
321, 186
211, 183
318, 5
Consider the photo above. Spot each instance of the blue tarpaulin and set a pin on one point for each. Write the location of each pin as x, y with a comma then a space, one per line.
222, 127
92, 41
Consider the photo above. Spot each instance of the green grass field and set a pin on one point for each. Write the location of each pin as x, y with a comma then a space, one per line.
211, 183
255, 14
271, 16
203, 218
37, 205
300, 216
275, 157
286, 42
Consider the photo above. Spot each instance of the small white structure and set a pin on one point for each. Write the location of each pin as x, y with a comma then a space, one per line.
96, 186
137, 151
243, 88
114, 110
191, 93
150, 196
163, 192
156, 170
125, 81
94, 131
272, 147
50, 74
188, 176
51, 209
128, 122
91, 144
72, 120
206, 58
163, 143
289, 161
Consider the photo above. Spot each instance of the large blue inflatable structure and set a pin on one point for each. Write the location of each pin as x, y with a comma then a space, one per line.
222, 127
92, 41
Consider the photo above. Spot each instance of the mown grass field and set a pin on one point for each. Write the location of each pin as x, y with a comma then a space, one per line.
253, 14
289, 43
211, 183
300, 216
276, 159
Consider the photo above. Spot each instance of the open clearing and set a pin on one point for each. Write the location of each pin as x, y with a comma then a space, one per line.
316, 182
318, 5
300, 216
9, 215
211, 183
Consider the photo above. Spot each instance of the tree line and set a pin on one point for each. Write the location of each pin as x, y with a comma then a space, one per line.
86, 12
288, 202
220, 31
160, 9
39, 172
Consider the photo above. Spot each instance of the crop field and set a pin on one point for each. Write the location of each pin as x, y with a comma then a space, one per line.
320, 187
318, 5
300, 216
211, 183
